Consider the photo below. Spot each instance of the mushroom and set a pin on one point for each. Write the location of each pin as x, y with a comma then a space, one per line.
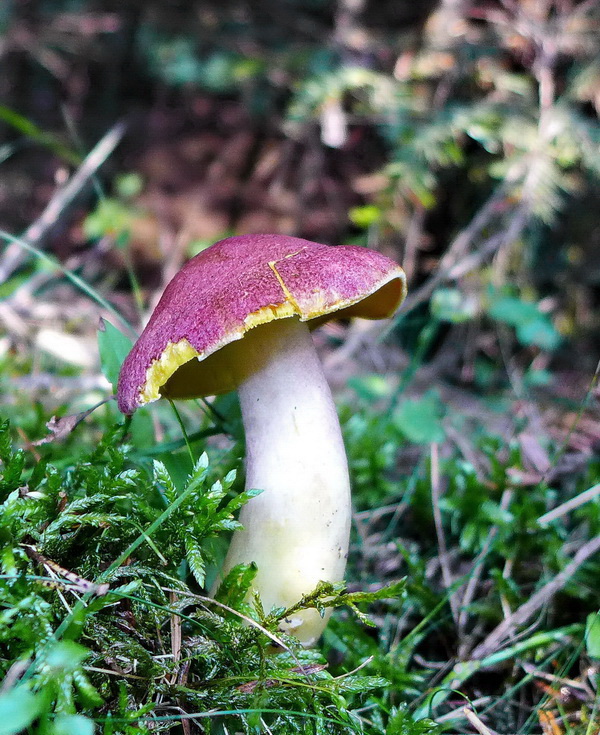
237, 316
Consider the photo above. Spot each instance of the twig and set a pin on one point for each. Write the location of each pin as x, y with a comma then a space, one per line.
252, 623
414, 233
450, 268
458, 714
453, 265
62, 427
355, 670
506, 574
558, 681
63, 197
175, 635
475, 577
12, 321
176, 651
23, 296
569, 505
491, 245
459, 246
74, 278
14, 674
112, 672
74, 582
384, 510
520, 616
476, 722
439, 529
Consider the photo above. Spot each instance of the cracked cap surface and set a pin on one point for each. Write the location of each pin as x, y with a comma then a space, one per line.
238, 284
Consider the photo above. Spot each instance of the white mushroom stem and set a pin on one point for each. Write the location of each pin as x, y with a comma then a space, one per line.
297, 529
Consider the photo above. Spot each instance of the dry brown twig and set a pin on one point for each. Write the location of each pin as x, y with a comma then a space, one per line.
457, 261
35, 234
439, 530
585, 497
455, 264
474, 581
527, 610
477, 723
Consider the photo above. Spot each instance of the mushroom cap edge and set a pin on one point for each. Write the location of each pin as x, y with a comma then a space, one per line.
236, 285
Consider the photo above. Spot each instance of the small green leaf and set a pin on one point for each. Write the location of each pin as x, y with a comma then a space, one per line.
162, 477
114, 346
539, 332
592, 635
66, 656
401, 722
495, 514
18, 709
533, 327
371, 387
233, 590
241, 499
389, 592
110, 218
420, 419
129, 185
512, 310
89, 696
534, 378
361, 684
364, 216
73, 725
195, 559
452, 305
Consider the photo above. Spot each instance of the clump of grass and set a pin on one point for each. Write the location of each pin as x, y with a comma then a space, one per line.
500, 572
104, 625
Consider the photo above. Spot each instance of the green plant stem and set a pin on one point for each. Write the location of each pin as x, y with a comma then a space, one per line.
225, 713
35, 133
183, 430
425, 341
133, 280
176, 444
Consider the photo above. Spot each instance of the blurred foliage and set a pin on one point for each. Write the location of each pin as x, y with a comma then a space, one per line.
69, 660
78, 655
463, 139
471, 129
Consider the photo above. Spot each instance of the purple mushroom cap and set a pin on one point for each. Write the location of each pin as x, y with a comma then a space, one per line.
238, 284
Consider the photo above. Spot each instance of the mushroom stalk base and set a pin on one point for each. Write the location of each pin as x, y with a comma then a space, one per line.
297, 529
